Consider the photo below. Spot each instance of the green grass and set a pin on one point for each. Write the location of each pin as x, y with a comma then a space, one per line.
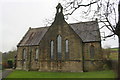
35, 74
114, 49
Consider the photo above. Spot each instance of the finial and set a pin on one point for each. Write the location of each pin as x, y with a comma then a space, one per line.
29, 27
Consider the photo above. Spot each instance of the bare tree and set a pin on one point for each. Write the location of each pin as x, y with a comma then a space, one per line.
106, 11
48, 22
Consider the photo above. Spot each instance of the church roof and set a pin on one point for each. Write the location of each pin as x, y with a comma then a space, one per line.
33, 36
87, 31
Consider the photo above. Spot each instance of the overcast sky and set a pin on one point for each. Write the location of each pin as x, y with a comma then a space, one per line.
16, 16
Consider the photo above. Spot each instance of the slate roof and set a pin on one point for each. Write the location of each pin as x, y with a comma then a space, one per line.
33, 36
87, 31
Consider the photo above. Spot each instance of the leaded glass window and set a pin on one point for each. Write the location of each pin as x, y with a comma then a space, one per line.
66, 46
52, 49
59, 46
66, 49
24, 54
92, 51
36, 53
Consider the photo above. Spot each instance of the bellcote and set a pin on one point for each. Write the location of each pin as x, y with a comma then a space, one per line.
59, 8
59, 14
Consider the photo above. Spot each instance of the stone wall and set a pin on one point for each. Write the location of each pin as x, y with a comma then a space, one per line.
29, 62
61, 66
95, 63
74, 49
97, 50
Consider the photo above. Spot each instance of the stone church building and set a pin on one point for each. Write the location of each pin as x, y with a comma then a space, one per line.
61, 47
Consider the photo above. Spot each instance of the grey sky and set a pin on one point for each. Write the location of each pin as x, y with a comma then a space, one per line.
16, 16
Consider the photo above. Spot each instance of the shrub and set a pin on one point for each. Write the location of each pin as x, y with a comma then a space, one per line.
0, 66
107, 64
10, 63
4, 65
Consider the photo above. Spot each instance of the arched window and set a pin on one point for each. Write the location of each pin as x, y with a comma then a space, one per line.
59, 10
92, 51
36, 53
52, 49
66, 49
66, 46
59, 47
24, 54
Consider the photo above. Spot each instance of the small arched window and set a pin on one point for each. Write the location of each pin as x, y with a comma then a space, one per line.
66, 46
24, 54
59, 46
36, 53
52, 50
92, 51
59, 10
66, 49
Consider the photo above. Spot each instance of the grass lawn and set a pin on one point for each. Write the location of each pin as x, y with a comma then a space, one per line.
0, 74
35, 74
114, 49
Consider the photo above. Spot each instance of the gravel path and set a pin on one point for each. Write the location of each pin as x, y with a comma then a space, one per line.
6, 72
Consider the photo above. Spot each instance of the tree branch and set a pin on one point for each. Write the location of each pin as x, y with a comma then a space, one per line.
106, 25
75, 8
88, 4
109, 36
112, 28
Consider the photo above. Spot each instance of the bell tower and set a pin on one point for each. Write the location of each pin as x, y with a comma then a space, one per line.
59, 8
59, 14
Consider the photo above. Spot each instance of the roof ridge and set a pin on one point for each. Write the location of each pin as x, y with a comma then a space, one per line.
69, 24
82, 22
40, 27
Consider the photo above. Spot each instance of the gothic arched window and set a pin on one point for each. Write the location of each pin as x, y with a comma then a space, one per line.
24, 54
66, 46
36, 53
52, 50
66, 49
92, 51
59, 46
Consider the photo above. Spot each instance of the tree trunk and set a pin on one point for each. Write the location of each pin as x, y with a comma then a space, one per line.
118, 59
